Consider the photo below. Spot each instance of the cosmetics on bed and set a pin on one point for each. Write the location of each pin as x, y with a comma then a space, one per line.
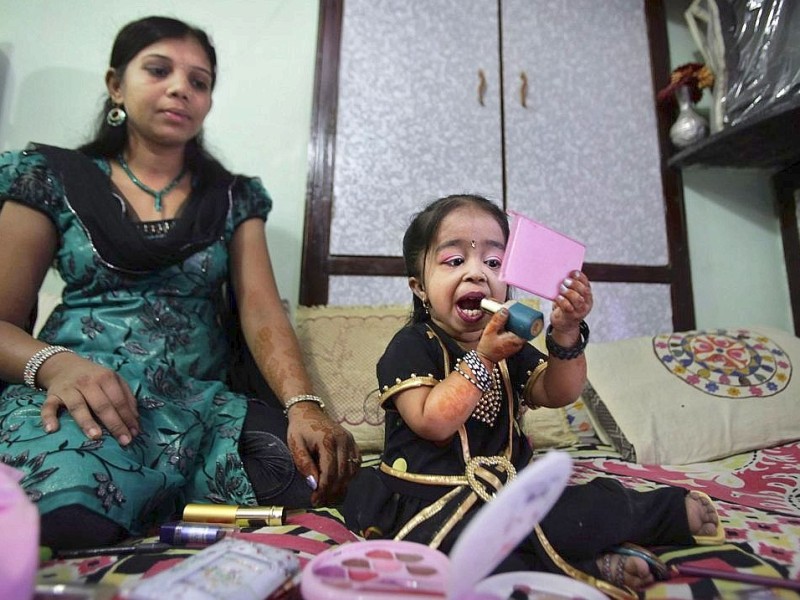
231, 514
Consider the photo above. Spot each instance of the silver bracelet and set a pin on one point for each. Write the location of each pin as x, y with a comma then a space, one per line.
302, 398
36, 361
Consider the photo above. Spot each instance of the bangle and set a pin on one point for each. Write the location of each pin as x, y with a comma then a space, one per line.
302, 398
468, 377
567, 353
36, 361
479, 370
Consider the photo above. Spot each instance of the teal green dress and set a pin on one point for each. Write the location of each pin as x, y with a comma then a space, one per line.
161, 332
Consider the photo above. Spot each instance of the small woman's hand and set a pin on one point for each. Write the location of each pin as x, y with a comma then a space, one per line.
90, 393
322, 449
573, 303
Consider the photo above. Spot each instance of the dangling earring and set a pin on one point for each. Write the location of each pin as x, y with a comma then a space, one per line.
426, 306
116, 116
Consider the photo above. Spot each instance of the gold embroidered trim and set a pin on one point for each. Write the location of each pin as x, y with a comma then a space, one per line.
414, 381
424, 479
457, 515
426, 513
604, 586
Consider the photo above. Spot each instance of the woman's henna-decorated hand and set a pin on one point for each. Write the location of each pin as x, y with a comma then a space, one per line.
322, 449
496, 342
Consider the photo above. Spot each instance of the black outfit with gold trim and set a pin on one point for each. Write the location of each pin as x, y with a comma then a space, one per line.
427, 492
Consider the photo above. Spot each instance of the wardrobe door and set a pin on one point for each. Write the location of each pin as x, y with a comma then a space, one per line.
582, 145
418, 117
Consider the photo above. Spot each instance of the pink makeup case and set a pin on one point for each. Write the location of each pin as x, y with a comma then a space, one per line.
537, 258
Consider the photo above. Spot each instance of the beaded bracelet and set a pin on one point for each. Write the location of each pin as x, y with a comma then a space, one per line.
36, 361
479, 370
575, 351
468, 377
302, 398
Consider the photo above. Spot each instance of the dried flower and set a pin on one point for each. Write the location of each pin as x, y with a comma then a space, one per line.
696, 76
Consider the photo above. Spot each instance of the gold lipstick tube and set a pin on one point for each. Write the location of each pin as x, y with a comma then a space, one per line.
242, 516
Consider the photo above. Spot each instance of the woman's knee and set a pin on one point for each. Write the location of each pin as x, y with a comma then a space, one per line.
268, 463
75, 526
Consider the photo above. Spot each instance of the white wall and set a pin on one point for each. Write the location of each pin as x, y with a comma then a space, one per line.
735, 247
53, 58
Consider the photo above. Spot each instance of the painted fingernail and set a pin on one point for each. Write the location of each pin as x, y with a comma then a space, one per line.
312, 482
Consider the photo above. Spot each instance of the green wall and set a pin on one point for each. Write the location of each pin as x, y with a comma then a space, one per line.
735, 248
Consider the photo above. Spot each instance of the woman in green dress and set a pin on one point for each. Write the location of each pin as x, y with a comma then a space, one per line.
123, 410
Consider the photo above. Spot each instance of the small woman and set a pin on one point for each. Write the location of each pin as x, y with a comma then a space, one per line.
452, 382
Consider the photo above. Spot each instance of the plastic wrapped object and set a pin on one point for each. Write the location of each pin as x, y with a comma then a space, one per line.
760, 42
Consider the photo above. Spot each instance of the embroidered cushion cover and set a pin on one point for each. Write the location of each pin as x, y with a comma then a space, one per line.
695, 396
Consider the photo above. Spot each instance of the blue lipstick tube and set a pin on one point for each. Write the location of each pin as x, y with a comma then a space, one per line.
524, 321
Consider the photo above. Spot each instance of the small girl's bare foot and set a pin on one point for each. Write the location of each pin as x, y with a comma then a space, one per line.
621, 570
702, 516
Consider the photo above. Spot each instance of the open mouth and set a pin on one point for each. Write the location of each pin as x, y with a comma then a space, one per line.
469, 307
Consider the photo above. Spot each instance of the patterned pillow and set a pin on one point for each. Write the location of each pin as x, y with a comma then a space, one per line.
695, 396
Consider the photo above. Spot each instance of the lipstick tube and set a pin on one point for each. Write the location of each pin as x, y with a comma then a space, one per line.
194, 535
231, 514
524, 321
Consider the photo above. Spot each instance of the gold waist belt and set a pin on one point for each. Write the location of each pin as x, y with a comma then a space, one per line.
476, 476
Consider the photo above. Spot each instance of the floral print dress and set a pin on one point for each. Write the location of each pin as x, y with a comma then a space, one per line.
161, 332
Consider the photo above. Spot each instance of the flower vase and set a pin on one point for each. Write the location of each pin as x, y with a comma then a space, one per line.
689, 127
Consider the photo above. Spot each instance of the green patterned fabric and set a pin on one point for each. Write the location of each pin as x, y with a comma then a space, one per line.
161, 333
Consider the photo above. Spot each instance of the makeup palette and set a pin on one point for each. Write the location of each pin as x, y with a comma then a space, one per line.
388, 569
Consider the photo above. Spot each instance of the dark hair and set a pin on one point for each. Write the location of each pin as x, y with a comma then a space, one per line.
133, 38
425, 226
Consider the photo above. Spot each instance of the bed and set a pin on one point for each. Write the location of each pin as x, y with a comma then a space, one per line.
745, 457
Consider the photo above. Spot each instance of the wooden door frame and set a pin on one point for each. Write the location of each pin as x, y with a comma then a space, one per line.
318, 265
787, 184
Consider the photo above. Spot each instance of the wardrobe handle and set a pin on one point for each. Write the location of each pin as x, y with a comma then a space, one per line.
481, 86
523, 89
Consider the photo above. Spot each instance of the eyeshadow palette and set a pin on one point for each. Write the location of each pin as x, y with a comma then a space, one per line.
382, 569
372, 569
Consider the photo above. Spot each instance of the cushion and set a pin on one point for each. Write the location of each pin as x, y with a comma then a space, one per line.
694, 396
547, 428
341, 346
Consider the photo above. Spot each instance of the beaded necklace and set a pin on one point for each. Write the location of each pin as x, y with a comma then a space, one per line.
158, 195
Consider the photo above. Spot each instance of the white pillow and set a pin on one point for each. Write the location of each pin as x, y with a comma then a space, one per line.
695, 396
